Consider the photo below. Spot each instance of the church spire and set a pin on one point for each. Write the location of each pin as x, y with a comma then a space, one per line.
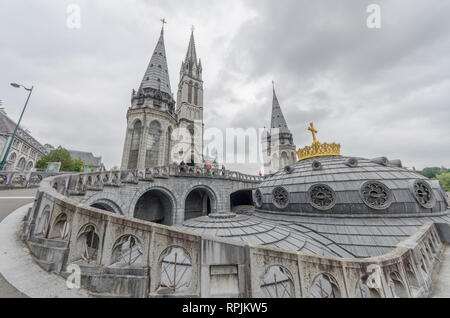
278, 120
157, 73
191, 65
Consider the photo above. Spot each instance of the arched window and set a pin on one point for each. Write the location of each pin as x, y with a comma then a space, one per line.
189, 93
12, 158
21, 164
29, 166
134, 148
169, 145
153, 147
196, 95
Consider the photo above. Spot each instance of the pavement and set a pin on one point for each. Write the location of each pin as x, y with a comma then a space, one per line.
10, 200
30, 280
20, 275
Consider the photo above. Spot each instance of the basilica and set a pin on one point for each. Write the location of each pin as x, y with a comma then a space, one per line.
154, 114
317, 224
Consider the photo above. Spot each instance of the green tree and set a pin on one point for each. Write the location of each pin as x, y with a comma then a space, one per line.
63, 156
444, 178
431, 173
78, 165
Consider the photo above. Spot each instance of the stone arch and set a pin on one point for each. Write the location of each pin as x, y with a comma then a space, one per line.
423, 265
411, 277
157, 205
294, 157
199, 200
397, 286
362, 290
60, 228
127, 251
175, 270
241, 198
11, 162
88, 243
284, 159
110, 199
425, 257
153, 145
107, 205
275, 162
21, 164
135, 141
43, 223
431, 245
29, 166
325, 286
277, 282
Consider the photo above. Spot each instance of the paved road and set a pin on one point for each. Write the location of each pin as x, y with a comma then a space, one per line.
10, 200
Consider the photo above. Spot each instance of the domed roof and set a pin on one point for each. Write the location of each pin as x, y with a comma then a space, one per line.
246, 228
346, 185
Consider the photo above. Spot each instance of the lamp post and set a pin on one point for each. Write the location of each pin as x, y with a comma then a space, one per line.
5, 157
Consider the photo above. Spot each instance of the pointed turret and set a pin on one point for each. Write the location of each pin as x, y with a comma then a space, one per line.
157, 74
278, 120
191, 66
277, 145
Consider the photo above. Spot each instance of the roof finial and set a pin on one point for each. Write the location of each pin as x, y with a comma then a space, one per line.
163, 20
273, 84
192, 28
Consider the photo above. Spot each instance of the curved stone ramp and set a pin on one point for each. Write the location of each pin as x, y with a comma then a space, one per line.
441, 286
19, 269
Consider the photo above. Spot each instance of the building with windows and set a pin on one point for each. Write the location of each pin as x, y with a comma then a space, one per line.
154, 114
25, 150
90, 161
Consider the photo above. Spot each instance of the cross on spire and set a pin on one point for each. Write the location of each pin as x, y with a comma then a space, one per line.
163, 21
313, 132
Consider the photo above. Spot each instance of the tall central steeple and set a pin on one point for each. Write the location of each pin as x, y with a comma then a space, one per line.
191, 66
190, 100
157, 73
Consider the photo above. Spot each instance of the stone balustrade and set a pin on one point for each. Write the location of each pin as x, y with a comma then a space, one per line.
96, 180
24, 179
125, 257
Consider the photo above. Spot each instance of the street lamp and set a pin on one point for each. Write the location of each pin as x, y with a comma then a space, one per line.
30, 90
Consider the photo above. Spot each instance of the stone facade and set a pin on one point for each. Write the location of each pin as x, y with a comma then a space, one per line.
125, 257
25, 150
154, 126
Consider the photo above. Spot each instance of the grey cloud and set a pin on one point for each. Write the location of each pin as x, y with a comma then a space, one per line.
378, 92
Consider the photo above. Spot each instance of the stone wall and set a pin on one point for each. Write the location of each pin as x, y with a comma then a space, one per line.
24, 179
121, 190
134, 258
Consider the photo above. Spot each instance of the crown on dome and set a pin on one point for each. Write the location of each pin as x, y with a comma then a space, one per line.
318, 149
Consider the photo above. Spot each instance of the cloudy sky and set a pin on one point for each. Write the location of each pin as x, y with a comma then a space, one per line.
376, 91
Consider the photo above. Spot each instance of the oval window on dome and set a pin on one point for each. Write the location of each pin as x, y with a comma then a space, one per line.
376, 195
280, 197
322, 197
423, 193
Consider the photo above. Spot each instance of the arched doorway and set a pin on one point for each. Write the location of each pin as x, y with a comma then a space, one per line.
199, 202
241, 198
155, 206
